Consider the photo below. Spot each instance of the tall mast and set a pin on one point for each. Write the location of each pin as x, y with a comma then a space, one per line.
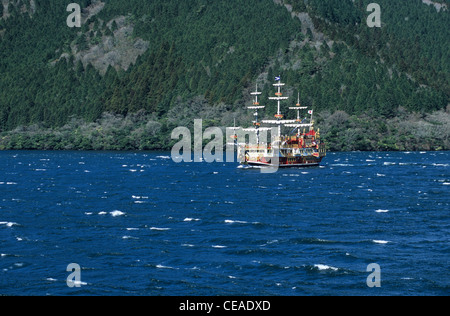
278, 97
256, 107
298, 107
256, 93
298, 121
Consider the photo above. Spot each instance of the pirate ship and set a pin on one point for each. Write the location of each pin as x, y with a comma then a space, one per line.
300, 147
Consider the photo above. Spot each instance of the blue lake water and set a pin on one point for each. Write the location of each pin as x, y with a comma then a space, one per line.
140, 224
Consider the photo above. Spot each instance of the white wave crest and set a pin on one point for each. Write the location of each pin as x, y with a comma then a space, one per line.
160, 266
8, 224
230, 221
190, 219
325, 267
380, 241
159, 228
116, 213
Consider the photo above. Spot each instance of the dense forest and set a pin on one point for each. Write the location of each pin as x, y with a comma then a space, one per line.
372, 88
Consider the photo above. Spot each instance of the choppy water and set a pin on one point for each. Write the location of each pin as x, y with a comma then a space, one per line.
140, 224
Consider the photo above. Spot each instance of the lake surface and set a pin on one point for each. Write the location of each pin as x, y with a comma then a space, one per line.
140, 224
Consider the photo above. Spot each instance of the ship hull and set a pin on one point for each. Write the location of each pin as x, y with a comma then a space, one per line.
293, 165
298, 162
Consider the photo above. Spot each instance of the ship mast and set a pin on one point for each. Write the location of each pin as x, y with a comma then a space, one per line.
278, 97
298, 121
298, 107
255, 107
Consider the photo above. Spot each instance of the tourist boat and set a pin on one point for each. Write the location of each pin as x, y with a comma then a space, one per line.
301, 147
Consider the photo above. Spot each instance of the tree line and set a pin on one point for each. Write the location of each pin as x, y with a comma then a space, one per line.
217, 50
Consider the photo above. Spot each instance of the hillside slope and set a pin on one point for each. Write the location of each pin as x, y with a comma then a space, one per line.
163, 58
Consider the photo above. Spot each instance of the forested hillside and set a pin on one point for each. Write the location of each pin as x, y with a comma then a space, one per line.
137, 69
